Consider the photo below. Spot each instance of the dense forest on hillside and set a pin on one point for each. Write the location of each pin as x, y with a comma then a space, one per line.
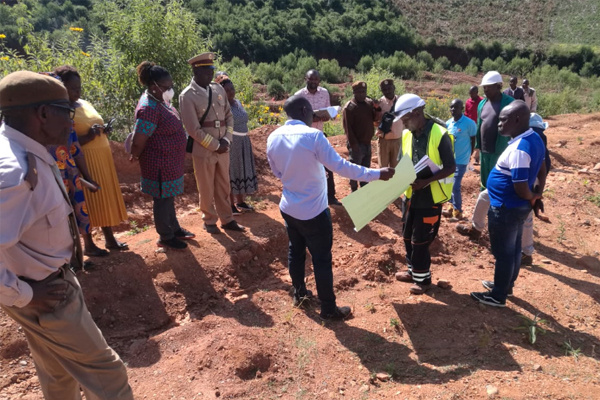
273, 43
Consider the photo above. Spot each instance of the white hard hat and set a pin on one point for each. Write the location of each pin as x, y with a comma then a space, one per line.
536, 121
406, 103
491, 77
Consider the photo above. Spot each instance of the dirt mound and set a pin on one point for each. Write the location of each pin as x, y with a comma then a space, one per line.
216, 320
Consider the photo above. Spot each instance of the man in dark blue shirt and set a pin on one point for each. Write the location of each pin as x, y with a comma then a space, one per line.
510, 186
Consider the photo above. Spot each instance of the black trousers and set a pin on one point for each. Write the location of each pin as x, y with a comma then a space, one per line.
330, 186
165, 218
362, 158
419, 229
317, 235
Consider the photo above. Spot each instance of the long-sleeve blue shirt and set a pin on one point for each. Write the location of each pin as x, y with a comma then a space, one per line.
296, 154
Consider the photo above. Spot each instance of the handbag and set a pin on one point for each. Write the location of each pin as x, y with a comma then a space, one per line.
387, 120
189, 147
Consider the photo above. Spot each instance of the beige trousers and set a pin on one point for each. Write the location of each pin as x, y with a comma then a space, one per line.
69, 350
387, 152
214, 187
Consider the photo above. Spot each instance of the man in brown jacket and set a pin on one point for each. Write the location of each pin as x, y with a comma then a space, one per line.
212, 139
359, 118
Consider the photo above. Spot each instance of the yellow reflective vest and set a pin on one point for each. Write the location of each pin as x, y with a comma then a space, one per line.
441, 190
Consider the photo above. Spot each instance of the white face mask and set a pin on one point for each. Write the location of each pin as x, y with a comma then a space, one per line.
168, 95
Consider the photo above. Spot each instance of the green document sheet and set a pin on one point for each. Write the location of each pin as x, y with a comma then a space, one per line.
369, 201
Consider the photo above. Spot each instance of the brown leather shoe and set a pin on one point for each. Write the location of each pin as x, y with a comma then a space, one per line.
419, 289
468, 230
404, 276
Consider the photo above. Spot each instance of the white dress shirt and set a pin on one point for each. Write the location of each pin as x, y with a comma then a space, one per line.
297, 153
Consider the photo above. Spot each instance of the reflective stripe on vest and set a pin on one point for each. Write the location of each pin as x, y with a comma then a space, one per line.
441, 190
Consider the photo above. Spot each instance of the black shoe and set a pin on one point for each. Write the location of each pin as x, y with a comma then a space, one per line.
244, 207
235, 211
184, 234
213, 229
486, 298
526, 260
173, 243
303, 301
233, 226
334, 202
489, 285
340, 314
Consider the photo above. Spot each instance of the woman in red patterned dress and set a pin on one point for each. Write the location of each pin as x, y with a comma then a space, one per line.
158, 143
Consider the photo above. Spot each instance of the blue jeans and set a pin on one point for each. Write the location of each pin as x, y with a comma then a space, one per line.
505, 226
317, 235
456, 199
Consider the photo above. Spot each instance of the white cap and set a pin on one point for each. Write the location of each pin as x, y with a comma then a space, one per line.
536, 121
406, 103
491, 77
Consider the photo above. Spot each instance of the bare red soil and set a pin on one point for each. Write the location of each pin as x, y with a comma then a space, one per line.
216, 320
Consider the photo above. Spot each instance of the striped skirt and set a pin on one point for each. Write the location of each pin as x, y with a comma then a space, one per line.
242, 172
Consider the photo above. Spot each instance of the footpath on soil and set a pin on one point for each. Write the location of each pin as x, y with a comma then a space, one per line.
216, 320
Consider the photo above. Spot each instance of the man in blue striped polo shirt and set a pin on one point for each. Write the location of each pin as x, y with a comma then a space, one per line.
510, 186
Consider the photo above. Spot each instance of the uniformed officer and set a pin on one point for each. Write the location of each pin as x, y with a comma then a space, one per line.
38, 241
211, 127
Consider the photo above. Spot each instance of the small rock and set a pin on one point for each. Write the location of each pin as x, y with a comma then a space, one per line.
585, 271
561, 143
491, 390
584, 171
258, 374
480, 266
537, 367
23, 363
110, 269
443, 283
383, 377
364, 388
160, 250
546, 262
255, 258
596, 167
217, 393
586, 223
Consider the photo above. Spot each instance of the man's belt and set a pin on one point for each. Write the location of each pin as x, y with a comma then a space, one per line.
214, 124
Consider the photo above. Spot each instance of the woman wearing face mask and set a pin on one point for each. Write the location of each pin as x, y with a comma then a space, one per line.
159, 142
105, 207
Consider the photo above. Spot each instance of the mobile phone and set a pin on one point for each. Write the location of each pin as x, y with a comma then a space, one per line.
108, 126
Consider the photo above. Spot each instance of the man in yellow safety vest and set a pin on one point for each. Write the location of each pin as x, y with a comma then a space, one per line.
422, 205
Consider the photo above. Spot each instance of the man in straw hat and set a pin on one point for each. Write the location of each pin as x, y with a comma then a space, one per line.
212, 139
422, 205
37, 287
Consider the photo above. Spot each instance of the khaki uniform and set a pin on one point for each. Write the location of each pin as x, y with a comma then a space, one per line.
66, 345
210, 168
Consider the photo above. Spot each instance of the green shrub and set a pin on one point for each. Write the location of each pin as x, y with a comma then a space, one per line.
330, 71
437, 68
333, 128
564, 102
439, 108
460, 91
365, 64
444, 62
275, 90
471, 70
519, 66
457, 68
425, 58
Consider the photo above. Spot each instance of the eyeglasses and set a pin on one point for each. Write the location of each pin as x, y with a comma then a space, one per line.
65, 108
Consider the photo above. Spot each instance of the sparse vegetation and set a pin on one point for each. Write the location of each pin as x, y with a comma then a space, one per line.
532, 327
